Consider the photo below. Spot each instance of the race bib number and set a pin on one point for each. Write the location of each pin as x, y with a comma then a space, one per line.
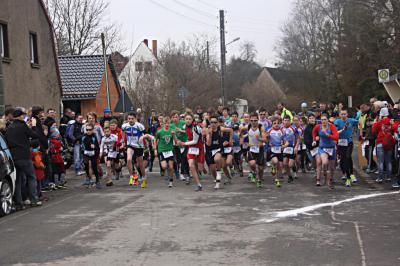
182, 150
245, 145
88, 153
133, 140
228, 150
167, 154
303, 147
314, 152
112, 154
366, 142
213, 152
343, 142
328, 151
236, 149
277, 149
194, 151
288, 150
255, 149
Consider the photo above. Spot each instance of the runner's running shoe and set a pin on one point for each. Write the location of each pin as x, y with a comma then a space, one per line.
273, 170
144, 183
348, 182
277, 183
290, 179
131, 180
253, 178
353, 179
259, 184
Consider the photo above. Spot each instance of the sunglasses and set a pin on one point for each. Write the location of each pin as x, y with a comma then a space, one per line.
89, 129
253, 120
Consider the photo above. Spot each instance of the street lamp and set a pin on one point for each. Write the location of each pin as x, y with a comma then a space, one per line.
234, 40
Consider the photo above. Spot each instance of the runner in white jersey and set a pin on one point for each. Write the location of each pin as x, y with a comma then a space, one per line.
257, 138
133, 131
108, 148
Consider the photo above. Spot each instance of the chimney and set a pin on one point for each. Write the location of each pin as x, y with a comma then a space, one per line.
146, 41
154, 46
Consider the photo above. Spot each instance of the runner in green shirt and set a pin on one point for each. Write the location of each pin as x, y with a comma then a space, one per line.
180, 153
165, 138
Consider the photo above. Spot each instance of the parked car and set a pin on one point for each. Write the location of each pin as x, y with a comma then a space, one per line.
7, 178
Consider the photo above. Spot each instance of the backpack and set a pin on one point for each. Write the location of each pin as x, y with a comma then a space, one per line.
388, 140
69, 132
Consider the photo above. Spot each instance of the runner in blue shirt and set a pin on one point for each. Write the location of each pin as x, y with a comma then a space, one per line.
345, 127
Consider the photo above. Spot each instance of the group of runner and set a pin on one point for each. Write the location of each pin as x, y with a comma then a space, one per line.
186, 143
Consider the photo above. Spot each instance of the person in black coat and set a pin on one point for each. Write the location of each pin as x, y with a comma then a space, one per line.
91, 151
18, 136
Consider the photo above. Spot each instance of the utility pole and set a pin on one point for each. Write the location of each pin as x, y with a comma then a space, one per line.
2, 106
223, 54
103, 43
208, 54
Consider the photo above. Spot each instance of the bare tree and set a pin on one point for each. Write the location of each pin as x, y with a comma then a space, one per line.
248, 51
78, 25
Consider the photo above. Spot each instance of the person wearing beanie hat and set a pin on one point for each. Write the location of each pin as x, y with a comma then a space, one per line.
56, 159
107, 117
384, 130
384, 112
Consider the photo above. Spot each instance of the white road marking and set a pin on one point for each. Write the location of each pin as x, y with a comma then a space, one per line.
295, 212
361, 244
358, 233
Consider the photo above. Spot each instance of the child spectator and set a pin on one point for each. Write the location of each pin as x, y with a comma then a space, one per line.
38, 164
56, 159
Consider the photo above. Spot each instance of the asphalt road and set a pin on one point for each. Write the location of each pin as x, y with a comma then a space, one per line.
237, 225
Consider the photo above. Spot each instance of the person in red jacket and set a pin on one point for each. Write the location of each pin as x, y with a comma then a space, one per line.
118, 132
384, 130
56, 159
325, 135
38, 165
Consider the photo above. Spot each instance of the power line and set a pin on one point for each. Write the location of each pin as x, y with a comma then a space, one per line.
200, 12
181, 15
208, 4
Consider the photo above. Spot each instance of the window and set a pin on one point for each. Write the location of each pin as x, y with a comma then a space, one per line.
148, 66
139, 66
34, 48
4, 41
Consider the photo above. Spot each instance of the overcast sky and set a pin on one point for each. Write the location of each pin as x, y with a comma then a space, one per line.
258, 21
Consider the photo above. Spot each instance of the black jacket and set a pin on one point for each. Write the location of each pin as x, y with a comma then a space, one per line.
18, 137
77, 132
44, 144
308, 138
87, 141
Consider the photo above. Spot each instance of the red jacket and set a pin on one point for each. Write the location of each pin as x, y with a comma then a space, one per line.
379, 127
334, 136
56, 151
38, 165
118, 133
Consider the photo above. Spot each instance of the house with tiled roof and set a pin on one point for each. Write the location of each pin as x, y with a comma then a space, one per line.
84, 83
28, 59
142, 65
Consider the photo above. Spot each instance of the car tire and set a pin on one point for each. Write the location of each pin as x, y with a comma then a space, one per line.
6, 198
